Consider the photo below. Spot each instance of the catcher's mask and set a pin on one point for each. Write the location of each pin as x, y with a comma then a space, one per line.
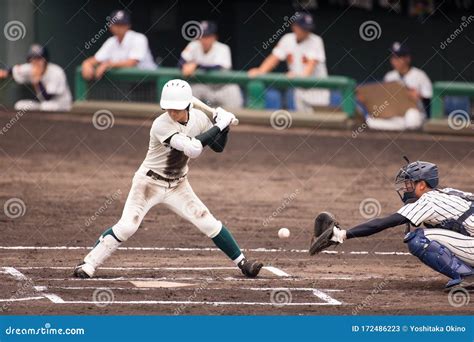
410, 175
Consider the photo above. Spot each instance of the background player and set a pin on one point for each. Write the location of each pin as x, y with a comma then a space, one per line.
125, 49
207, 53
177, 135
48, 80
447, 246
305, 57
419, 88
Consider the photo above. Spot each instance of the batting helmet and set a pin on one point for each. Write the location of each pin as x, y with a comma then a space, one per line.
176, 94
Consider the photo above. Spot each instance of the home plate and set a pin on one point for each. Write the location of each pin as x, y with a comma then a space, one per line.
159, 284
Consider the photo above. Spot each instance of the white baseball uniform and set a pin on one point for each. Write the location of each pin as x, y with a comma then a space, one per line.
55, 83
414, 118
134, 45
172, 164
436, 206
224, 95
297, 56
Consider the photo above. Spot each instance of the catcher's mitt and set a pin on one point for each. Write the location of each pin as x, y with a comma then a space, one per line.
323, 231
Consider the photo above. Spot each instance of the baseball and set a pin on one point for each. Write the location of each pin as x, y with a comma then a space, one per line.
284, 233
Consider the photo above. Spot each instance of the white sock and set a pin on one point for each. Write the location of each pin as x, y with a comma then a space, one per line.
104, 249
239, 259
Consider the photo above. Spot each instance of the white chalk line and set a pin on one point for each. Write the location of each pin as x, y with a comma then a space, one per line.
327, 300
198, 249
177, 302
275, 270
117, 288
17, 275
8, 300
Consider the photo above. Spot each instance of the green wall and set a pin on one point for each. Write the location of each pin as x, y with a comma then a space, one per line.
66, 26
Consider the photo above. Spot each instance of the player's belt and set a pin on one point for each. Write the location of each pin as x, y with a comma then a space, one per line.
155, 176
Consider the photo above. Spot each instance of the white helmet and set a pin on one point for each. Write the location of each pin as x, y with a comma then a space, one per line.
176, 94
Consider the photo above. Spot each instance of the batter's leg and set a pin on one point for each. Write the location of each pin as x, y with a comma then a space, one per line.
184, 202
144, 194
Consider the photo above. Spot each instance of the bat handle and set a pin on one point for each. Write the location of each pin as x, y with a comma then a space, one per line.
235, 122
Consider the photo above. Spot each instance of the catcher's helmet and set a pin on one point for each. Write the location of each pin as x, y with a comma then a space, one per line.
415, 172
418, 171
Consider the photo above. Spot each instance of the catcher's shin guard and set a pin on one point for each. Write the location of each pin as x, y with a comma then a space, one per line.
438, 257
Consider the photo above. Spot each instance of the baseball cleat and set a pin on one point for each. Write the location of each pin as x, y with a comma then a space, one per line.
250, 268
83, 271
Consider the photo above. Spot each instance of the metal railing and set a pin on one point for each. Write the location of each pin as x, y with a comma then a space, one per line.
255, 87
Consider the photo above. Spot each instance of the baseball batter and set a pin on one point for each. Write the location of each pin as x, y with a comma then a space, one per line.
176, 136
446, 244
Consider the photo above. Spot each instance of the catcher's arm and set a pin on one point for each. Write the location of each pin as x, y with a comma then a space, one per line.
328, 233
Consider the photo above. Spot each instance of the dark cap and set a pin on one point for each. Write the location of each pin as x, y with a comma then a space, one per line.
304, 20
208, 27
399, 49
120, 17
37, 51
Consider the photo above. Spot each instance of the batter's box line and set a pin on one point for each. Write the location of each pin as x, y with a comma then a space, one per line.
17, 275
272, 269
326, 300
200, 249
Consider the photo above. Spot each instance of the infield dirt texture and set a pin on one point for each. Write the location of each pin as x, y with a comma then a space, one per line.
73, 180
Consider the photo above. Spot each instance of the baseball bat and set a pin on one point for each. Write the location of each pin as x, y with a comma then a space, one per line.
208, 109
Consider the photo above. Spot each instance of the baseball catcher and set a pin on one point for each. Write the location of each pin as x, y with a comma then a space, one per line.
177, 135
446, 243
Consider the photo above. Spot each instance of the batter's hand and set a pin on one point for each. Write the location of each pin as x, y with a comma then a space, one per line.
326, 233
223, 118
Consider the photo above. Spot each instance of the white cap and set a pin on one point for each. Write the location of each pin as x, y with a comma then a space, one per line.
176, 94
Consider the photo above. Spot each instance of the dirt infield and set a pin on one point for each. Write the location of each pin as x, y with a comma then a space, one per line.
73, 180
